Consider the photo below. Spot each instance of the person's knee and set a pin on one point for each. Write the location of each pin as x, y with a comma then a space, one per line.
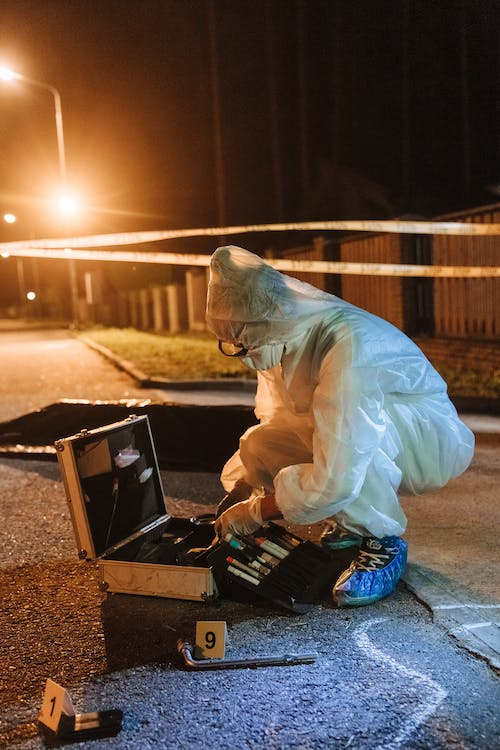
265, 451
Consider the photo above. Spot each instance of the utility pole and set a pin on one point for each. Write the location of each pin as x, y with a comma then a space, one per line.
216, 116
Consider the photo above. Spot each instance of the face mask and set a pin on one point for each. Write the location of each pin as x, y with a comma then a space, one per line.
264, 357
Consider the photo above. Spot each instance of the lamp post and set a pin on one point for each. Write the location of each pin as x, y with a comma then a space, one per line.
9, 75
10, 218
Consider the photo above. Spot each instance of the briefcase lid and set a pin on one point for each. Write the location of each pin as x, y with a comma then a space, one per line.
113, 484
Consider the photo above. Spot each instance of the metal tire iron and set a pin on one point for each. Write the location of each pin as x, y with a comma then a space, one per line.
186, 650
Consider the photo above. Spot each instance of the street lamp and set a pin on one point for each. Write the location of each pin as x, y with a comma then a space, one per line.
9, 75
10, 218
66, 204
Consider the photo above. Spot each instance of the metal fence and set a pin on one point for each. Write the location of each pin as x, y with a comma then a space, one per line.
468, 307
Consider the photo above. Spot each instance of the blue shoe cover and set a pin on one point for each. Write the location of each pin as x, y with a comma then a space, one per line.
374, 574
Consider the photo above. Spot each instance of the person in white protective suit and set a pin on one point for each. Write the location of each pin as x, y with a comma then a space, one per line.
350, 414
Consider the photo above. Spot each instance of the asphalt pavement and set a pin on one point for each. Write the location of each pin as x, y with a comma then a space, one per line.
418, 670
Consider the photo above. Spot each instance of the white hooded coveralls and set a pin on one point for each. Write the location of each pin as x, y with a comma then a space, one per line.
351, 414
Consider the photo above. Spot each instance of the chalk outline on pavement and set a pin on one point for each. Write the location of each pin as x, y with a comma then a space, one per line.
424, 711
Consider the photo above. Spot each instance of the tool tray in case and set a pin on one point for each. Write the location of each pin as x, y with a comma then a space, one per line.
296, 579
115, 495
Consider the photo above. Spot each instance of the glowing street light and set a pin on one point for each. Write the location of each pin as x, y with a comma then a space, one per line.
67, 205
9, 219
6, 74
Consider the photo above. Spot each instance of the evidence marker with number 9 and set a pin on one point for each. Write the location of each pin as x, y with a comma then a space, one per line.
210, 639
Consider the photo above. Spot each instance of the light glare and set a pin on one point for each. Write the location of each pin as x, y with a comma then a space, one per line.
9, 218
67, 205
31, 296
6, 74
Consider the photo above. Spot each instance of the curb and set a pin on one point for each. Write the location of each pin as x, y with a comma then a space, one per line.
472, 622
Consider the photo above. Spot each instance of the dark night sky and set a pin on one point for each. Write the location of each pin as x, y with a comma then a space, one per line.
339, 109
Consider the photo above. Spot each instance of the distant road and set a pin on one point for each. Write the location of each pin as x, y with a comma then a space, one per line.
40, 367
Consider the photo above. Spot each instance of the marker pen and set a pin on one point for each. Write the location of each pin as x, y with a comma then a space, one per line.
268, 559
264, 568
240, 574
281, 542
248, 550
279, 539
273, 549
257, 552
285, 535
237, 545
249, 558
244, 568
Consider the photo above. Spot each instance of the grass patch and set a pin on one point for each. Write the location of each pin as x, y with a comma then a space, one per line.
470, 383
183, 356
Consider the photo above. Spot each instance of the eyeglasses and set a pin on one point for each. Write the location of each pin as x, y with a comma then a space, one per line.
232, 350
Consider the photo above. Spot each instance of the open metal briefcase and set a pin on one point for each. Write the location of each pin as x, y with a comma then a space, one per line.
115, 495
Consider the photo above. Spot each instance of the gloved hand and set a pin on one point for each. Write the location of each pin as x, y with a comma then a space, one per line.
240, 519
241, 491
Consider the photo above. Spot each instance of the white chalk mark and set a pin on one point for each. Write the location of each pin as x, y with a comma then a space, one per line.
473, 625
436, 693
466, 606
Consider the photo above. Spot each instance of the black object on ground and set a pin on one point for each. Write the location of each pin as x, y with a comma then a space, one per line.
186, 437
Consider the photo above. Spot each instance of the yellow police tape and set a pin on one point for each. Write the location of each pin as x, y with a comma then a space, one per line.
283, 264
375, 225
74, 247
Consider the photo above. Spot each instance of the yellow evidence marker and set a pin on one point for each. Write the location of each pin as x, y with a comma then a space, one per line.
210, 640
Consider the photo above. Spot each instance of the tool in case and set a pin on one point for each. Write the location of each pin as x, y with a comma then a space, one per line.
115, 495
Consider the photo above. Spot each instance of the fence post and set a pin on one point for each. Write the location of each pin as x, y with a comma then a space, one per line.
144, 309
120, 311
176, 307
159, 308
196, 290
134, 308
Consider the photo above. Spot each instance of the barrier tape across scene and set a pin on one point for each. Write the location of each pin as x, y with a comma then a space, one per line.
80, 248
